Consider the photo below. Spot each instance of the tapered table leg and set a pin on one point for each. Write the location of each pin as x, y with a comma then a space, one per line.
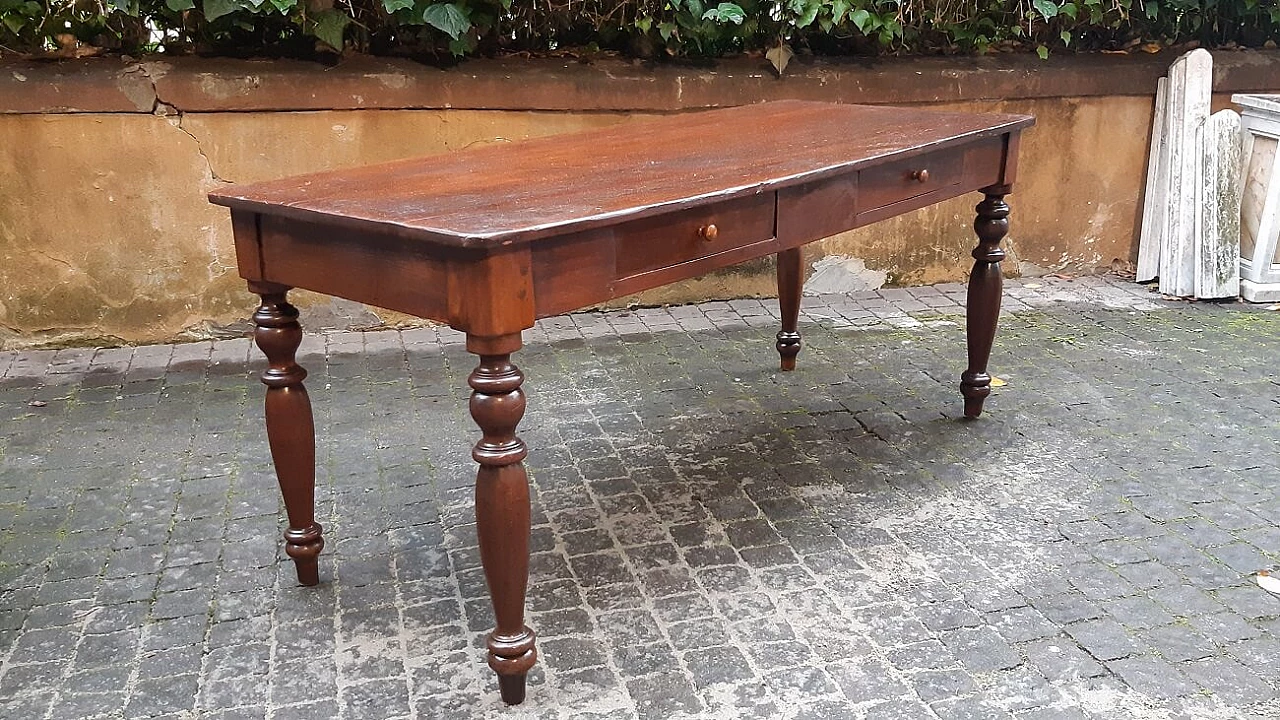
290, 429
985, 286
502, 509
790, 281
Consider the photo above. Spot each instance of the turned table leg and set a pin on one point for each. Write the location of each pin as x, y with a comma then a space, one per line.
790, 281
290, 429
502, 509
985, 286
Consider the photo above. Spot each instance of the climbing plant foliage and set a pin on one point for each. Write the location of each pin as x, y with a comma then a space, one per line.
643, 28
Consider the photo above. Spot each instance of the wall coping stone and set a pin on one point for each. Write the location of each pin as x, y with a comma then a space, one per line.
190, 84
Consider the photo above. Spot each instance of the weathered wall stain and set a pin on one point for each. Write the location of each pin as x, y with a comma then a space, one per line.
841, 274
106, 236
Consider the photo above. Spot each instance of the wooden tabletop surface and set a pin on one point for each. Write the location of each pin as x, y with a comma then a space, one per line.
505, 194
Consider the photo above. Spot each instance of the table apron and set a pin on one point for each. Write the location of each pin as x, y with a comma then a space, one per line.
493, 292
824, 208
598, 266
368, 267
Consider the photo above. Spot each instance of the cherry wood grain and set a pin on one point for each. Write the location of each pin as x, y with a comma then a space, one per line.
819, 209
290, 429
502, 513
491, 299
573, 272
674, 238
244, 228
894, 182
489, 240
375, 268
500, 195
983, 305
790, 283
693, 267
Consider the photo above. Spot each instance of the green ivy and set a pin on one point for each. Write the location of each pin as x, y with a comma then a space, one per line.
645, 28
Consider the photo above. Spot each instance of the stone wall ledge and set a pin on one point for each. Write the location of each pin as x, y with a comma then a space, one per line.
188, 84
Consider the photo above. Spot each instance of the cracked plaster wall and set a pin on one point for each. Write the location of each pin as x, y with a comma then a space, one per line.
106, 236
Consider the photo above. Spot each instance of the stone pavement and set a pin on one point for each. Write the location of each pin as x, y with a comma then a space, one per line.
713, 539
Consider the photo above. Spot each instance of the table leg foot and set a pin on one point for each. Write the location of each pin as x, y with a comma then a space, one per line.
290, 427
304, 547
985, 286
512, 688
975, 388
790, 282
502, 510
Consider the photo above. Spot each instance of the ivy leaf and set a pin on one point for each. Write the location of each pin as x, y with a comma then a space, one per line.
1047, 8
448, 18
1043, 52
780, 56
1152, 8
860, 18
838, 10
214, 9
666, 30
644, 23
1066, 37
808, 13
283, 5
330, 25
179, 5
725, 13
1068, 9
461, 46
394, 5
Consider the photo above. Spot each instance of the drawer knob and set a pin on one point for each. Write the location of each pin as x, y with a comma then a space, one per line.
920, 175
708, 232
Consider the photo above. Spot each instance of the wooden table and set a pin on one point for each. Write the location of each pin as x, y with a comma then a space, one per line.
491, 239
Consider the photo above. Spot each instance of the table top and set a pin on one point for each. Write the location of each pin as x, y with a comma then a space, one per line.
508, 194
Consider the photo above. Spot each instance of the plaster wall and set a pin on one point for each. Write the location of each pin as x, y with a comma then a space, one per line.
106, 236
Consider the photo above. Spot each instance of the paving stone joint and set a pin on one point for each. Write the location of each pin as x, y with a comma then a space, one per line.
712, 538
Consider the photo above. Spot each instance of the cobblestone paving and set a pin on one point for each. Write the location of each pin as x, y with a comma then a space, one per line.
713, 539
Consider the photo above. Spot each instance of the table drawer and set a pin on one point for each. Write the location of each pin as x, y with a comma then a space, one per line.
653, 243
823, 208
895, 182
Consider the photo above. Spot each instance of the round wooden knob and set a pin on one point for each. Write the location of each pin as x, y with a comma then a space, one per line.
708, 232
920, 175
